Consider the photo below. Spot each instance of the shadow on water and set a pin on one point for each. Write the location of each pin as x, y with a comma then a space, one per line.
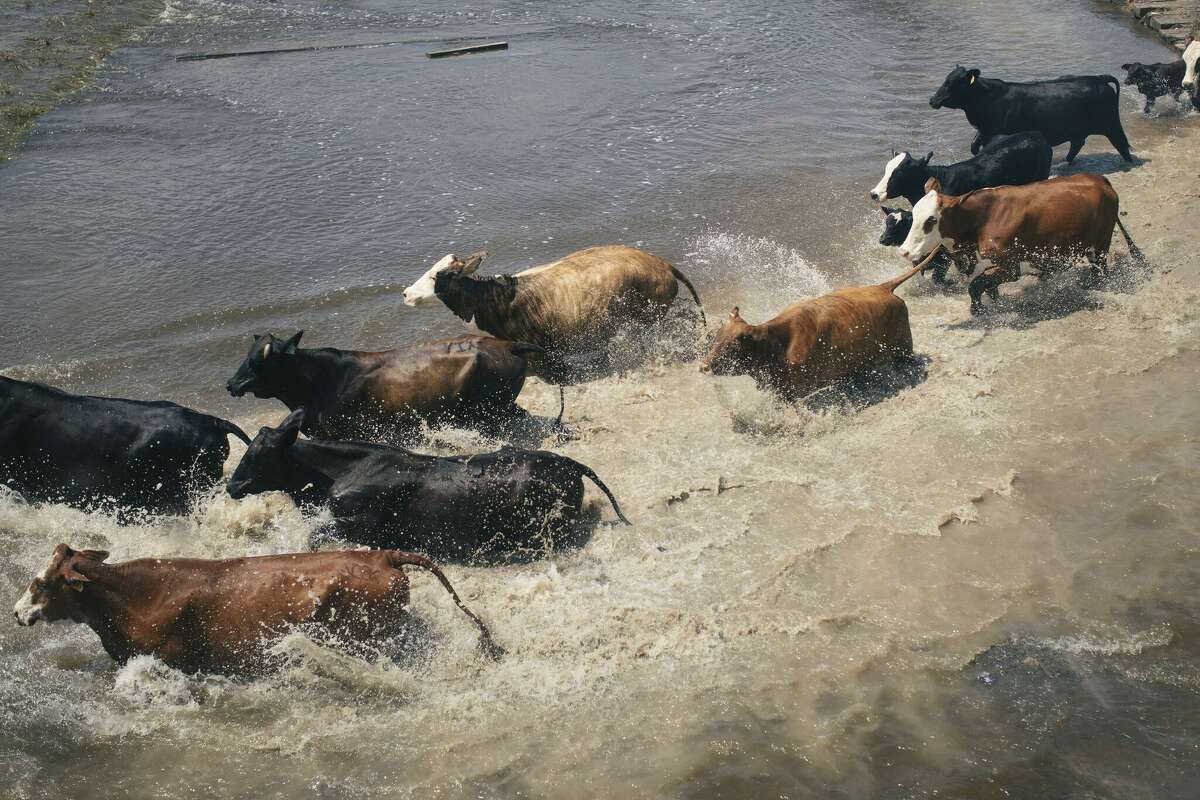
1057, 295
870, 386
1099, 163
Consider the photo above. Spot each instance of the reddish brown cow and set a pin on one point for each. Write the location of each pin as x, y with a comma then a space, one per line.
202, 615
1048, 224
816, 342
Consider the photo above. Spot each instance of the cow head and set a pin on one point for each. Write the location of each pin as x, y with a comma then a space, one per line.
925, 235
896, 224
261, 373
54, 593
268, 465
956, 89
903, 176
1136, 74
424, 289
1191, 55
735, 342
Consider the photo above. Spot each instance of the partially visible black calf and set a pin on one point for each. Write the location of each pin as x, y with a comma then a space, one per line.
1158, 80
896, 224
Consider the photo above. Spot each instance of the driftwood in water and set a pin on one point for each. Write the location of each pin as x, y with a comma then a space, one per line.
475, 48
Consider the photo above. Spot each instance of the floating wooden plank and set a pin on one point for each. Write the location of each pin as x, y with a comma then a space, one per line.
474, 48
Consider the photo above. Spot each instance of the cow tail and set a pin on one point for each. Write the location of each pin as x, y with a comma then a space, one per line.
895, 282
683, 279
487, 644
228, 427
596, 480
1138, 256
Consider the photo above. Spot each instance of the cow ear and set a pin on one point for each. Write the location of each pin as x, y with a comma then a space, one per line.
734, 314
933, 185
291, 344
929, 157
473, 261
95, 555
1126, 67
290, 427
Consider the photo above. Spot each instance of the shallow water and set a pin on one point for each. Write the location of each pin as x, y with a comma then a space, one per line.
977, 581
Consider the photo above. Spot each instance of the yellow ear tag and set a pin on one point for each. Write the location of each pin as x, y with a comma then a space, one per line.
972, 80
76, 585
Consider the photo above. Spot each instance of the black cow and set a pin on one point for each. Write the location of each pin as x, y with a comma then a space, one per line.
348, 394
1005, 161
1066, 109
508, 505
1157, 80
896, 224
88, 452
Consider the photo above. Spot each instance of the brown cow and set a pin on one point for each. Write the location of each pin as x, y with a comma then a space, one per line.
200, 615
571, 307
1048, 224
817, 342
350, 394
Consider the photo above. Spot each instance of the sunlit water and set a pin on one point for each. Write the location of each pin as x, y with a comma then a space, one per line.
977, 582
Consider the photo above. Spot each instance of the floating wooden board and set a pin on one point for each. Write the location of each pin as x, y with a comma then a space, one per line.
474, 48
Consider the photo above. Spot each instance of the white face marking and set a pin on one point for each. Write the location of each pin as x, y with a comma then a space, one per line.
880, 191
1190, 57
918, 243
26, 610
421, 292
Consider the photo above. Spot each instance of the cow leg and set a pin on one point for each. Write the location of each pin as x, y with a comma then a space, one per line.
1117, 137
940, 266
988, 281
1149, 106
977, 143
1076, 146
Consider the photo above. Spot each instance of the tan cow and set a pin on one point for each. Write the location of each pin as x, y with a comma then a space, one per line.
817, 342
1048, 224
570, 307
202, 615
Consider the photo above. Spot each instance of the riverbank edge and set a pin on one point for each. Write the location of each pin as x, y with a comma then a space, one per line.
1173, 20
61, 48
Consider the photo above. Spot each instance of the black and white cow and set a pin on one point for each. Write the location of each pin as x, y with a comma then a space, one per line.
1006, 161
1066, 109
1191, 55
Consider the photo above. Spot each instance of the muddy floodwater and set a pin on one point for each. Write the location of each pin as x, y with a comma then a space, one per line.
973, 577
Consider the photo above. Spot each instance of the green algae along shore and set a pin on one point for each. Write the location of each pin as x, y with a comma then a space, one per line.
50, 48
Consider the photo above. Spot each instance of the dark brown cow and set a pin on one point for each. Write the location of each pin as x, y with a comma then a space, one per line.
200, 615
817, 342
1048, 224
349, 394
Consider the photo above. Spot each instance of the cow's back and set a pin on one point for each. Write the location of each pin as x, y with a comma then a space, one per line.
1069, 213
833, 336
588, 291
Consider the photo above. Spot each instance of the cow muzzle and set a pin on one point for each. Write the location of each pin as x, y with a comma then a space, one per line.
237, 389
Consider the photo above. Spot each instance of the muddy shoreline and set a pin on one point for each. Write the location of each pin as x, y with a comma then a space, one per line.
49, 49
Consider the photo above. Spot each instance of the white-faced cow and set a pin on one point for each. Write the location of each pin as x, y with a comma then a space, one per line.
222, 616
1048, 224
817, 342
896, 224
132, 455
1191, 56
1006, 161
350, 394
571, 307
1066, 109
510, 504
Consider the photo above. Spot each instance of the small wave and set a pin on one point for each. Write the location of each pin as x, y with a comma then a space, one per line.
1116, 644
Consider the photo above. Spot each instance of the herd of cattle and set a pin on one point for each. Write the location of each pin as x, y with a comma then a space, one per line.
553, 321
